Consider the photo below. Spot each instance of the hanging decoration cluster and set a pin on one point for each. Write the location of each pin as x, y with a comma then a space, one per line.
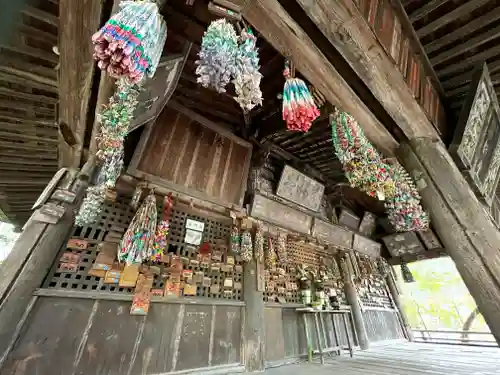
403, 208
247, 78
224, 56
136, 245
159, 242
270, 253
246, 246
115, 120
131, 42
366, 170
258, 249
299, 108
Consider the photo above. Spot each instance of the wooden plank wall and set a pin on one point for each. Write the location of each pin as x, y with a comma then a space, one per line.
388, 28
382, 325
85, 336
184, 152
285, 334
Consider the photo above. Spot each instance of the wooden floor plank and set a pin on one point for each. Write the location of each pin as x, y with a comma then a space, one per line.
405, 359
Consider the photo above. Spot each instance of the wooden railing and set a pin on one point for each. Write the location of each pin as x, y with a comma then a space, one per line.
469, 338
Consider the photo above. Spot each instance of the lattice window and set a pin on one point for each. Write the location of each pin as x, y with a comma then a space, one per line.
114, 222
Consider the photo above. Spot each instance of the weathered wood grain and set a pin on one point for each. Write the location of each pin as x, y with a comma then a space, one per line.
460, 222
345, 27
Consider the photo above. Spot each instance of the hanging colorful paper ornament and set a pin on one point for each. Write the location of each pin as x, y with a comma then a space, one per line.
115, 120
270, 254
235, 240
247, 76
403, 208
131, 42
91, 207
159, 243
259, 244
217, 57
362, 164
299, 109
281, 248
246, 246
135, 245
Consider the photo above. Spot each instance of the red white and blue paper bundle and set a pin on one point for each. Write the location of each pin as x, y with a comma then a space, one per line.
131, 42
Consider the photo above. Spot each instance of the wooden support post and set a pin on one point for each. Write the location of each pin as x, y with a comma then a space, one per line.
253, 330
353, 300
461, 222
31, 258
396, 298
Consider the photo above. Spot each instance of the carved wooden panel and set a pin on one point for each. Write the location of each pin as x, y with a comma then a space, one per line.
300, 189
400, 244
366, 246
332, 234
348, 219
368, 223
273, 212
183, 154
476, 142
157, 91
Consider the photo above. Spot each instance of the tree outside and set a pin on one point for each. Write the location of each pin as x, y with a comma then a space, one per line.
438, 299
7, 239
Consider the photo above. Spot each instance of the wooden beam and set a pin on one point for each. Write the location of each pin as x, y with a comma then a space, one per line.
283, 33
461, 79
469, 62
7, 161
8, 78
75, 85
461, 32
470, 44
426, 9
410, 258
416, 45
16, 44
41, 15
27, 107
7, 116
37, 34
26, 147
32, 97
24, 137
455, 14
344, 26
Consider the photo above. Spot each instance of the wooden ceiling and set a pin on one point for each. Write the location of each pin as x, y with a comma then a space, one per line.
28, 100
458, 36
310, 152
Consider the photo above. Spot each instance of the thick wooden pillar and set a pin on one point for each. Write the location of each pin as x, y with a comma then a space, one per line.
253, 330
462, 223
353, 300
391, 284
33, 254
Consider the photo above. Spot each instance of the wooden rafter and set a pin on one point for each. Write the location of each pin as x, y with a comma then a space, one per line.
470, 62
282, 32
426, 9
463, 31
457, 13
42, 15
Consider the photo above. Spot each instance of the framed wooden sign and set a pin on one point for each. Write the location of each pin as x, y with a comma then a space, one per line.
276, 213
400, 244
476, 143
300, 189
332, 234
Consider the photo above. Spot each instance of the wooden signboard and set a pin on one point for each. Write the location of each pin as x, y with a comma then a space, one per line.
366, 246
476, 143
400, 244
368, 223
300, 189
276, 213
429, 239
157, 91
332, 234
349, 219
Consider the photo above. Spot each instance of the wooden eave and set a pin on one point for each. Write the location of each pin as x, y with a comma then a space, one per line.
28, 106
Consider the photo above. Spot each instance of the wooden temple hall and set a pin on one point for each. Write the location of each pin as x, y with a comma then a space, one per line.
224, 186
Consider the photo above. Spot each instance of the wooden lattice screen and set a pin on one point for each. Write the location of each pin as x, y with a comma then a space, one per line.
114, 222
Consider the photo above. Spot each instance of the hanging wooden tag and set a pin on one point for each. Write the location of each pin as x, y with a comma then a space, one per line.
77, 244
